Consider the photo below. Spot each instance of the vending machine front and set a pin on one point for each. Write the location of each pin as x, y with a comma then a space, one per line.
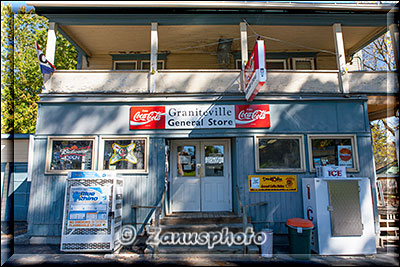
92, 212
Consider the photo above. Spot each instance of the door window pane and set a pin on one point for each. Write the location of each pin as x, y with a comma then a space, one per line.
214, 160
279, 153
186, 162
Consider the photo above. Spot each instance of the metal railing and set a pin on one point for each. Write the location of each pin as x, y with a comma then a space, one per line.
156, 208
243, 211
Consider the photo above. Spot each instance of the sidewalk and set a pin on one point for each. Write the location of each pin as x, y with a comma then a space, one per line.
50, 255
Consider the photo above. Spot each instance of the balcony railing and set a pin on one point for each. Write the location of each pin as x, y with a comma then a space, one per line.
219, 81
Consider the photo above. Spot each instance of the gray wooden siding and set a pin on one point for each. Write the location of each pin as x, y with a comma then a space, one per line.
47, 191
287, 117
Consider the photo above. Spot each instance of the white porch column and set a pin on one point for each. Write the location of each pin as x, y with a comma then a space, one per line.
394, 35
340, 56
243, 43
153, 57
244, 50
51, 42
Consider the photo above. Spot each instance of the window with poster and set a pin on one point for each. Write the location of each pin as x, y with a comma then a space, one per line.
70, 153
124, 154
338, 150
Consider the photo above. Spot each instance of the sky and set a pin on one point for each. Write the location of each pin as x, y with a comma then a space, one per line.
16, 4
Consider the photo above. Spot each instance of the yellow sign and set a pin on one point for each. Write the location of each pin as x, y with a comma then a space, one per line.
272, 183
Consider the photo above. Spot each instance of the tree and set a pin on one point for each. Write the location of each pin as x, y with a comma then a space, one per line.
21, 80
379, 55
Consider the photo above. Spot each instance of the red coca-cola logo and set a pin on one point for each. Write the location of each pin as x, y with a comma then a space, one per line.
254, 116
147, 117
345, 154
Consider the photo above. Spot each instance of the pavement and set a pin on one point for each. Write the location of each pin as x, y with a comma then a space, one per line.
50, 255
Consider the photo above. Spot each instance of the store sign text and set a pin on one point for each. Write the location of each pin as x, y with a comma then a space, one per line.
200, 117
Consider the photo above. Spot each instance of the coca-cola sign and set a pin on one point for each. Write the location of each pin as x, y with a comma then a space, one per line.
255, 74
252, 116
202, 116
147, 117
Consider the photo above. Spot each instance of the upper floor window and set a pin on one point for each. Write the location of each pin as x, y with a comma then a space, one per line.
125, 65
303, 63
136, 64
145, 64
276, 64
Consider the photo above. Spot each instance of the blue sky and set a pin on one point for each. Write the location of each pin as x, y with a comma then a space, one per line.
16, 4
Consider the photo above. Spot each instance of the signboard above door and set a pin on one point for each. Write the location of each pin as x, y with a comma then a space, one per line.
255, 73
202, 116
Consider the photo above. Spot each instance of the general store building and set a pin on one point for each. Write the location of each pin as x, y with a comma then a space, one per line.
167, 77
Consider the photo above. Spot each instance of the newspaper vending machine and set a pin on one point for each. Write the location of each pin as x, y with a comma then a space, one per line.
92, 217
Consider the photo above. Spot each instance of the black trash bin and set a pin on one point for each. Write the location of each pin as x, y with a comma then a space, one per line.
300, 238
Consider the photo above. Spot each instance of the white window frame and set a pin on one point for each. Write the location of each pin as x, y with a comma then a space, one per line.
148, 61
281, 136
277, 60
49, 151
354, 147
124, 61
310, 59
128, 137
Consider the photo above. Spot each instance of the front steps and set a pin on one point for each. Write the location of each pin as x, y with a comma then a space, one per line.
177, 231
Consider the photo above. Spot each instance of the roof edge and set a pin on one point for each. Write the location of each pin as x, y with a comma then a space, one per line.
213, 4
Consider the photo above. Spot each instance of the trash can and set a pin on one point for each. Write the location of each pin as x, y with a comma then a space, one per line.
266, 247
300, 238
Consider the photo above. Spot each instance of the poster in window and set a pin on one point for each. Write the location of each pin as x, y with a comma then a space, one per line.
129, 154
71, 155
345, 157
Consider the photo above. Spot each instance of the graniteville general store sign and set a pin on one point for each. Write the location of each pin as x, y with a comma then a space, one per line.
202, 116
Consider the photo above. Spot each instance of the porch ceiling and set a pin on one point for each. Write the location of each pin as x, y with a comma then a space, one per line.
380, 107
112, 39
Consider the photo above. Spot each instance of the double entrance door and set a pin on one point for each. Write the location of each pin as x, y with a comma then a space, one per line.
201, 175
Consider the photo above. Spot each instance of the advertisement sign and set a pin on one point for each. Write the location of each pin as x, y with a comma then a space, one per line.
345, 157
202, 116
88, 207
255, 73
272, 183
331, 171
252, 116
147, 117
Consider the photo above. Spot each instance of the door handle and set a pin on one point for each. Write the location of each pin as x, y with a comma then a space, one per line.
198, 170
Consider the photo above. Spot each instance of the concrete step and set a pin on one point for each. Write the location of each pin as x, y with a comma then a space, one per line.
174, 220
218, 249
198, 228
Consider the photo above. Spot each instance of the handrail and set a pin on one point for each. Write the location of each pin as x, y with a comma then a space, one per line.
157, 207
243, 209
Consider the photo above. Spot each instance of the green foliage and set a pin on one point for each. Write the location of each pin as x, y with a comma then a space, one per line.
20, 74
384, 148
